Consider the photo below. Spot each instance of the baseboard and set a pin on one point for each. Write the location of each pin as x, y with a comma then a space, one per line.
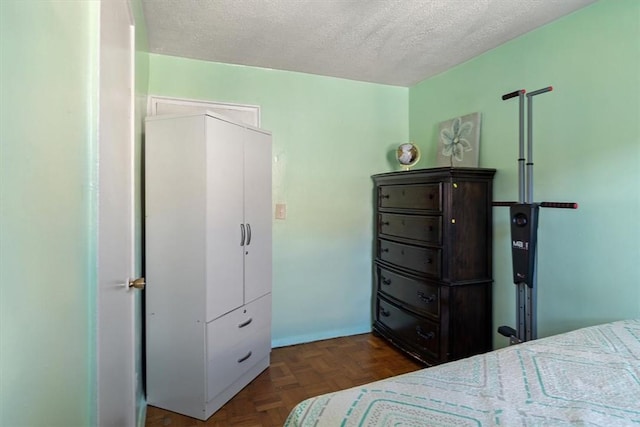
302, 339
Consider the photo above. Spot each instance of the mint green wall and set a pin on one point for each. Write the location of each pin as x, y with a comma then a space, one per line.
48, 127
48, 94
586, 149
329, 136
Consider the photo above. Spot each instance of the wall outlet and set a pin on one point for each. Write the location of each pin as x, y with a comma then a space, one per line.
281, 211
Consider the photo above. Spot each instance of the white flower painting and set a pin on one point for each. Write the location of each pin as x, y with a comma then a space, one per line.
459, 141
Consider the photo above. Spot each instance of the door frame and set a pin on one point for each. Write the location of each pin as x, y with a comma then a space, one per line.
244, 113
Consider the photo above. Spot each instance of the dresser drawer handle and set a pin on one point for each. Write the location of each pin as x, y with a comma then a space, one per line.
384, 223
426, 299
429, 261
431, 228
384, 250
421, 334
246, 323
384, 196
431, 196
242, 359
385, 281
384, 312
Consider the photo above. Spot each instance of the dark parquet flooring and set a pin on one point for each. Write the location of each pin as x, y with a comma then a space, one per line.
296, 373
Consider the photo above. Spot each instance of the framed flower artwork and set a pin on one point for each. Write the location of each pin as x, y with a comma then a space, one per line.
459, 141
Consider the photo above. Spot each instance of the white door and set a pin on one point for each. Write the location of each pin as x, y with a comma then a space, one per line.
226, 231
257, 215
115, 353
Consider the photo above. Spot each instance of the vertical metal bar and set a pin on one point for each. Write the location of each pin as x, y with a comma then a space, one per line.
534, 302
530, 95
529, 318
520, 94
529, 178
522, 311
521, 158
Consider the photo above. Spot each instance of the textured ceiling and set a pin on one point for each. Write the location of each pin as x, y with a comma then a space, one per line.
397, 42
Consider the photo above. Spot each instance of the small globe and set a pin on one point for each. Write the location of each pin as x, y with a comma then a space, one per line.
408, 155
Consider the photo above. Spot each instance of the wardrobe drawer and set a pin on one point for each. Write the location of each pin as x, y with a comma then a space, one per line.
226, 364
235, 342
427, 229
412, 196
240, 324
414, 330
419, 295
422, 260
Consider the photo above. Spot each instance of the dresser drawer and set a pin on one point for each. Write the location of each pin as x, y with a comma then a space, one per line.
236, 342
420, 333
419, 295
422, 260
427, 229
412, 196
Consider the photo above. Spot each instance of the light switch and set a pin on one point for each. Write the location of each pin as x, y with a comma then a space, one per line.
281, 211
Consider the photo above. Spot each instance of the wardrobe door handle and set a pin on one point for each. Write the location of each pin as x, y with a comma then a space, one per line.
242, 359
241, 234
246, 323
248, 234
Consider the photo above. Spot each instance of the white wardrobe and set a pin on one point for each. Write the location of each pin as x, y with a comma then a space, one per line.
207, 260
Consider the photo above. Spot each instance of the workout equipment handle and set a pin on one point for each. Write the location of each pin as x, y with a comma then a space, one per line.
513, 94
557, 205
539, 91
503, 204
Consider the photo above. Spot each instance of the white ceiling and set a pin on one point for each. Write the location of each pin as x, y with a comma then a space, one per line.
396, 42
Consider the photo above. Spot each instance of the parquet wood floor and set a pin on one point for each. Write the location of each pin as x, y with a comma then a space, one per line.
296, 373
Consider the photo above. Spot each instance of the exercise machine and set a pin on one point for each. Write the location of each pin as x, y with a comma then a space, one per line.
524, 227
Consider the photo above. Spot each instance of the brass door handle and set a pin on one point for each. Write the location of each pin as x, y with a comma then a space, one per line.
137, 283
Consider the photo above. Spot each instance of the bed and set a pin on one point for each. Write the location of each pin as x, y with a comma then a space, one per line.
588, 377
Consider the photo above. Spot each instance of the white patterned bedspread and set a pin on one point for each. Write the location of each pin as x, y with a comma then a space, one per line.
587, 377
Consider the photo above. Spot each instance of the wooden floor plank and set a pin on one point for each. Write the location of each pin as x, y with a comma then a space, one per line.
298, 372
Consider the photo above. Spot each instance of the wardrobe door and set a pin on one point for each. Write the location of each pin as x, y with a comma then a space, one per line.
257, 201
225, 229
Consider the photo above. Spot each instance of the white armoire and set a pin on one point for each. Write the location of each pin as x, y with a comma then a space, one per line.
207, 260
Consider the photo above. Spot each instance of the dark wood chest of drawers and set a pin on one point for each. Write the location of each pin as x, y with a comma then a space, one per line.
432, 267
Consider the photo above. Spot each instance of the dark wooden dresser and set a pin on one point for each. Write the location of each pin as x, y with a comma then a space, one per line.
432, 267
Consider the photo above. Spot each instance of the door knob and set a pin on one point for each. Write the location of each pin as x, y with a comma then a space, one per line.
137, 283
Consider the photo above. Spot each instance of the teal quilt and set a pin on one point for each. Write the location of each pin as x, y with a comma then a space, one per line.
587, 377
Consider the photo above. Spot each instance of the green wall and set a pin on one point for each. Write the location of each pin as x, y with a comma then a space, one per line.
586, 149
48, 95
48, 210
329, 136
